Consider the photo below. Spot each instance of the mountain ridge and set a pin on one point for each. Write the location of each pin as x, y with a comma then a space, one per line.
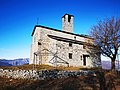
14, 62
22, 61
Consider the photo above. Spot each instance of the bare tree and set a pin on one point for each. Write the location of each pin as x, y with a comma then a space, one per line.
106, 35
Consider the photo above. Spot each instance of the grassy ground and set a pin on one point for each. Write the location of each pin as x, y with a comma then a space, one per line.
39, 67
72, 83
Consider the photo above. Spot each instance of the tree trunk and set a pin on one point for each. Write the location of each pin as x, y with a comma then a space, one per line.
113, 65
102, 81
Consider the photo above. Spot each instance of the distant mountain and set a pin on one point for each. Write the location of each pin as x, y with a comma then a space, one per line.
4, 64
15, 62
22, 61
107, 65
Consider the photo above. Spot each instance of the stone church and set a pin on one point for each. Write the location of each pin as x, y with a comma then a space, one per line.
62, 47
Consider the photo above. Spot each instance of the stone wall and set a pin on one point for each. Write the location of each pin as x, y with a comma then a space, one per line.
42, 74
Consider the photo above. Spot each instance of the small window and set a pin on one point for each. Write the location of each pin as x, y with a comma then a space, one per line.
70, 55
69, 18
39, 43
75, 37
70, 44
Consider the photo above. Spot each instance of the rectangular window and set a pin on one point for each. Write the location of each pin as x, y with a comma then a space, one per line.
70, 55
84, 60
70, 44
69, 18
39, 43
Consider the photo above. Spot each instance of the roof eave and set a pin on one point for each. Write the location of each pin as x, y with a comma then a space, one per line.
85, 36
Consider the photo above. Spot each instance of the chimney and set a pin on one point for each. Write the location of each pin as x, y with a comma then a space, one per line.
67, 23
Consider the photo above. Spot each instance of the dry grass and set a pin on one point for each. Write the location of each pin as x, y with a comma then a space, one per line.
39, 67
70, 83
28, 67
45, 67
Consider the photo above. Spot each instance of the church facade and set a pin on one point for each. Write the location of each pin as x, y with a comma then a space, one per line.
62, 47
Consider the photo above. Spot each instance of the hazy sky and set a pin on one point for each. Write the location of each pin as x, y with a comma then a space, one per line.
18, 18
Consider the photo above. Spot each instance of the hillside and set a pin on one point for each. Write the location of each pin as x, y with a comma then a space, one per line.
69, 83
15, 62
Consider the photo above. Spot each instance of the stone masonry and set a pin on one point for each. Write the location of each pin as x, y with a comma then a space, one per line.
43, 74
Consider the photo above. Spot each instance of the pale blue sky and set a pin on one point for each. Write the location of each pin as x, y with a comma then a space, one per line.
18, 18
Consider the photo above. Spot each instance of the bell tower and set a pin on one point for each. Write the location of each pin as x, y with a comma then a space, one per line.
67, 23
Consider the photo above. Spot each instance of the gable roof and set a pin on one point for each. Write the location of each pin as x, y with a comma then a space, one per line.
85, 36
